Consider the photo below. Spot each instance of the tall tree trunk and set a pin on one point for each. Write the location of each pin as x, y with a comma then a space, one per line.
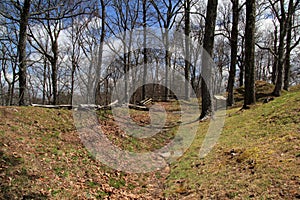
280, 63
125, 77
144, 48
54, 81
125, 60
168, 64
241, 75
22, 50
250, 53
187, 30
281, 56
129, 65
193, 77
54, 70
275, 63
287, 66
8, 96
100, 53
208, 45
241, 61
44, 80
12, 89
74, 66
234, 46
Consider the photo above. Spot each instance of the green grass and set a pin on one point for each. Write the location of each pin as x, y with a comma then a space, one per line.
264, 142
42, 157
256, 157
117, 183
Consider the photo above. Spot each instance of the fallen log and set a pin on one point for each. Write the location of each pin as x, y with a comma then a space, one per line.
98, 107
146, 102
90, 106
65, 106
137, 107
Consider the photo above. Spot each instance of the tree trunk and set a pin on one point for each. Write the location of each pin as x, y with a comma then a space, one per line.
144, 48
241, 75
44, 80
287, 66
12, 89
234, 43
54, 81
125, 78
280, 63
22, 50
208, 45
8, 96
241, 62
193, 77
275, 68
250, 53
74, 66
100, 53
54, 70
187, 30
168, 64
1, 90
281, 56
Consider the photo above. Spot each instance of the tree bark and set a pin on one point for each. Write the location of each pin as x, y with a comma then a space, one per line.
287, 66
1, 89
275, 68
250, 53
44, 80
241, 62
208, 45
241, 75
74, 66
100, 53
234, 46
187, 31
168, 64
22, 51
144, 48
54, 70
281, 56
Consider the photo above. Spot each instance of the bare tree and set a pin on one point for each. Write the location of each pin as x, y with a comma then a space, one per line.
284, 20
88, 64
167, 11
144, 48
208, 45
9, 69
25, 13
100, 51
197, 34
122, 26
250, 53
234, 48
289, 26
74, 50
187, 32
20, 14
53, 19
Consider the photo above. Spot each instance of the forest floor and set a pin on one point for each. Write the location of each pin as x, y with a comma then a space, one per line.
256, 157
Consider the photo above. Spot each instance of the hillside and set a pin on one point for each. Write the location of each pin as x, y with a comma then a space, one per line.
256, 157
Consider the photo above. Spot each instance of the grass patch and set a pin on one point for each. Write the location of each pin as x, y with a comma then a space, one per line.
257, 149
117, 183
256, 157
